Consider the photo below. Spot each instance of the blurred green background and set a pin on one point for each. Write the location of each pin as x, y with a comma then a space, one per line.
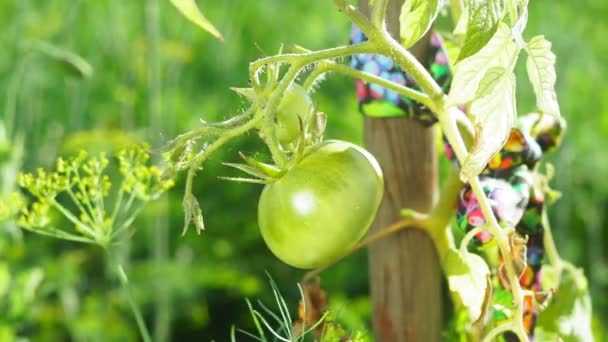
193, 287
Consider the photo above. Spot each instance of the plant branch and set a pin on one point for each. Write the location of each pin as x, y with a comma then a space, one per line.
228, 135
355, 16
393, 228
88, 230
378, 14
499, 330
303, 59
268, 128
450, 129
388, 46
124, 282
326, 67
549, 244
59, 234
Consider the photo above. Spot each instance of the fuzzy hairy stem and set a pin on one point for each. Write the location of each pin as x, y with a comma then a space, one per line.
450, 128
326, 67
378, 15
228, 135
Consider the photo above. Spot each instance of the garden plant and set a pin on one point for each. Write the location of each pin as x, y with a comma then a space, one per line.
489, 225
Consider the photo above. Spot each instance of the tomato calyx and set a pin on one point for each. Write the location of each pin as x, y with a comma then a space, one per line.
262, 173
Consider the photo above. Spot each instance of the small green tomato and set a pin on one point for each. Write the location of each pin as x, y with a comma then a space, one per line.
295, 103
322, 206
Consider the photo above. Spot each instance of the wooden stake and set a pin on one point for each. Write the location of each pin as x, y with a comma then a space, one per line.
404, 271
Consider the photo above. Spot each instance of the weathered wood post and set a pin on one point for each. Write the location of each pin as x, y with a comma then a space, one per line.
405, 276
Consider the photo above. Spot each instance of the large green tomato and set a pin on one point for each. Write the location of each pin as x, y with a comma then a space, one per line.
322, 206
295, 103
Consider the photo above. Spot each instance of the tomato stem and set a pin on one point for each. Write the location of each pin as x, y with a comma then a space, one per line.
378, 15
393, 228
329, 66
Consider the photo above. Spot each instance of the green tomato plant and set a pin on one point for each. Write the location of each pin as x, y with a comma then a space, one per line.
488, 45
319, 196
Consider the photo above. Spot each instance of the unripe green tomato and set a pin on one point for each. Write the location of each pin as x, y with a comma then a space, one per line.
295, 103
322, 206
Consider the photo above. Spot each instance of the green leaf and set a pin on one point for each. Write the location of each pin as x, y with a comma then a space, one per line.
467, 280
460, 30
70, 61
569, 312
267, 169
489, 81
502, 304
416, 19
541, 72
542, 335
248, 93
494, 114
551, 276
5, 279
499, 52
191, 11
249, 170
483, 17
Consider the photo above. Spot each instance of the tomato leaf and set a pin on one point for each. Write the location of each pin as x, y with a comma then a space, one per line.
416, 19
541, 72
491, 78
460, 29
500, 51
467, 280
190, 10
502, 304
483, 17
569, 312
522, 21
551, 276
494, 114
248, 93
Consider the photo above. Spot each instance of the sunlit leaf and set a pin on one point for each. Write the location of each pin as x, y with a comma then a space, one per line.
550, 278
416, 19
461, 25
494, 114
191, 11
467, 280
491, 78
521, 22
500, 51
569, 312
541, 72
483, 17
